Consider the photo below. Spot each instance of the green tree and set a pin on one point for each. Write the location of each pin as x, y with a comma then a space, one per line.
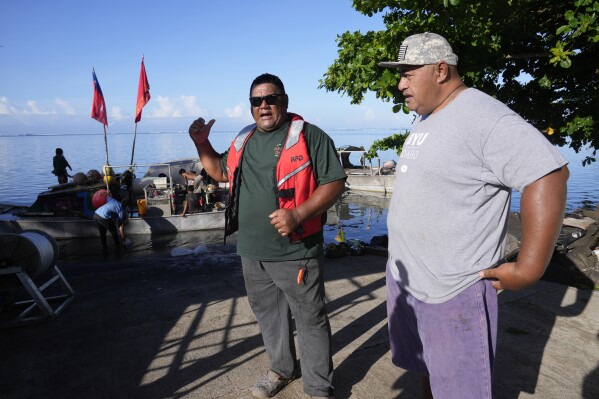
540, 57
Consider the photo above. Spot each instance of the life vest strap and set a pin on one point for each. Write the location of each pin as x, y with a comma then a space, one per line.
288, 193
293, 173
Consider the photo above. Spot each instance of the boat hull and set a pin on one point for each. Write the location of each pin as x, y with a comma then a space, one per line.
75, 227
370, 183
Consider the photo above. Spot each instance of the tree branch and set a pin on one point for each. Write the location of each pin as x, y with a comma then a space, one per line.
526, 56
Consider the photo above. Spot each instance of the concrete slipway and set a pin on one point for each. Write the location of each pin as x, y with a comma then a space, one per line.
181, 327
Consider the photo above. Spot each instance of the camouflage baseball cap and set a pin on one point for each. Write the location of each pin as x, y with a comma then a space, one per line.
423, 49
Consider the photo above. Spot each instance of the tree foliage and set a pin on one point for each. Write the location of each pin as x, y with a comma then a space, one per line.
393, 142
540, 57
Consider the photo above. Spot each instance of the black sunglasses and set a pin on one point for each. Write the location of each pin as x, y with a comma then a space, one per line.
270, 99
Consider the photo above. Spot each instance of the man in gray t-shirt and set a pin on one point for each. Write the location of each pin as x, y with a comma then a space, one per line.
448, 215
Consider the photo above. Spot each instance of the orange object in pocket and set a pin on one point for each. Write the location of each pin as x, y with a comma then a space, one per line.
300, 275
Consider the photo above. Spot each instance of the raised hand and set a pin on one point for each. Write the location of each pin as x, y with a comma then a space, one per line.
199, 130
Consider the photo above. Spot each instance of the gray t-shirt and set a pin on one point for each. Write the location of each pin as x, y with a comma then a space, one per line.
447, 218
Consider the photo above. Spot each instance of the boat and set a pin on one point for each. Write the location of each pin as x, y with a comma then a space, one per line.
66, 210
366, 178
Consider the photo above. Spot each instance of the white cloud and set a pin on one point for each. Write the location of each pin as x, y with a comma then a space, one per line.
369, 114
166, 108
191, 108
116, 113
65, 106
181, 106
4, 106
35, 109
32, 108
236, 112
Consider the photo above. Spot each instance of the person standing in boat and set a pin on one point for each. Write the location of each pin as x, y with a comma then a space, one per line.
191, 203
284, 175
112, 217
60, 164
447, 220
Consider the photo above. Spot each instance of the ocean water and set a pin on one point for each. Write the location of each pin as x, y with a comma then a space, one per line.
26, 164
26, 160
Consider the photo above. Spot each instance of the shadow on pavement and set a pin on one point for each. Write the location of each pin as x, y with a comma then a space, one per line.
150, 325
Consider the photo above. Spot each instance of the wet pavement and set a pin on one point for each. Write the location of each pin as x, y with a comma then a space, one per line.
147, 324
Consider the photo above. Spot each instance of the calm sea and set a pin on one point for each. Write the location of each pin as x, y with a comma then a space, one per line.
26, 164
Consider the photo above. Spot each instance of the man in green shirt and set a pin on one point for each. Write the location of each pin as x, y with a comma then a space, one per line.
280, 238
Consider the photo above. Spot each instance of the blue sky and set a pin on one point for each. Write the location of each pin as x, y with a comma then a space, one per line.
200, 59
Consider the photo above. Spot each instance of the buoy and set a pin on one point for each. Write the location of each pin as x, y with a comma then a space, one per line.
79, 178
94, 176
107, 170
107, 179
99, 198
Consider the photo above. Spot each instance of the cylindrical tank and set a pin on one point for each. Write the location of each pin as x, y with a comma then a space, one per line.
32, 250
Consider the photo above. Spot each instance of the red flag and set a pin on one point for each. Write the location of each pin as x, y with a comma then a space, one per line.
143, 91
98, 105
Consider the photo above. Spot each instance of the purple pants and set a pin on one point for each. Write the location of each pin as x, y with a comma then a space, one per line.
453, 343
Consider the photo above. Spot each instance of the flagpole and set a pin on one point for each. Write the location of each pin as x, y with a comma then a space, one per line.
106, 144
133, 148
99, 109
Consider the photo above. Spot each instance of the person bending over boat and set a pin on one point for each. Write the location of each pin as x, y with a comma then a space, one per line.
112, 217
191, 178
60, 164
284, 175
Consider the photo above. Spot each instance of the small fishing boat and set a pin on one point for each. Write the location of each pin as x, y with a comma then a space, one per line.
66, 210
365, 177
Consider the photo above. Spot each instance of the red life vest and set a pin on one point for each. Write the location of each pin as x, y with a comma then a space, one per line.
295, 181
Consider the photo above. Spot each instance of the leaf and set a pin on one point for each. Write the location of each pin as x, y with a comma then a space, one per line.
562, 29
395, 141
545, 82
566, 63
